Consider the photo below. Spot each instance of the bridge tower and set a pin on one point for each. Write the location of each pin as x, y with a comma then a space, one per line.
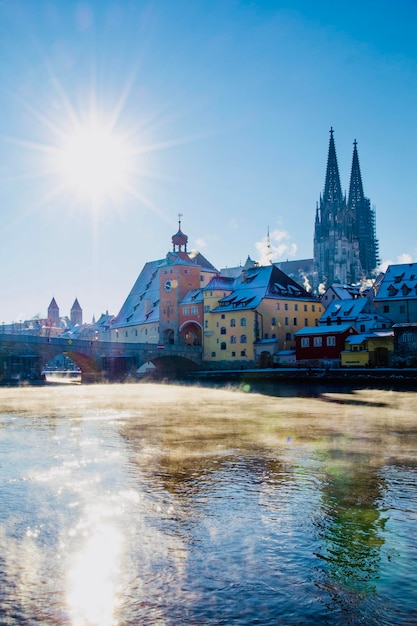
178, 275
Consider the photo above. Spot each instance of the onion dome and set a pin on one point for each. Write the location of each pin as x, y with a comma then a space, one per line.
179, 240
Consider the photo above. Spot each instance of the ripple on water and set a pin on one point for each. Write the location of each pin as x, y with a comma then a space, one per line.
164, 505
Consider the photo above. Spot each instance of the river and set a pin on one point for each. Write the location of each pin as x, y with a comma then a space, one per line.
169, 504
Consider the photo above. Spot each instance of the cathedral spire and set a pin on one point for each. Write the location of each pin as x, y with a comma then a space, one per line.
356, 195
332, 187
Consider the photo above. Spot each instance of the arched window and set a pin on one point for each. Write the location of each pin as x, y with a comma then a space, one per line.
242, 338
243, 321
223, 330
274, 321
243, 353
223, 345
233, 339
232, 322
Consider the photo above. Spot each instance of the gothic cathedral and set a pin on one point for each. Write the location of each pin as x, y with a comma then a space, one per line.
345, 244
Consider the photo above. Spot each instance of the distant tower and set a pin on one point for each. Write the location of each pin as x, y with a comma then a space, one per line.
364, 219
53, 313
76, 314
336, 247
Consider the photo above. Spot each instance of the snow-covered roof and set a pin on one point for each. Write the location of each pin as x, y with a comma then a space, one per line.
325, 330
142, 303
361, 337
253, 285
398, 283
345, 309
192, 297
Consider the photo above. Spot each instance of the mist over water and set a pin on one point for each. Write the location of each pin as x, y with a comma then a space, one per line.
165, 504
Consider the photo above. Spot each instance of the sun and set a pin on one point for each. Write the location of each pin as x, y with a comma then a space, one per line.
95, 161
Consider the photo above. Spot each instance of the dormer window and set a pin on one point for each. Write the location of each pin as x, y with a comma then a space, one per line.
405, 289
392, 291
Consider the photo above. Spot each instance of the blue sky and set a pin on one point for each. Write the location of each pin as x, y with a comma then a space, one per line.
224, 110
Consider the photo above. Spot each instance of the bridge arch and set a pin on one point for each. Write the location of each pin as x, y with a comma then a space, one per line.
191, 333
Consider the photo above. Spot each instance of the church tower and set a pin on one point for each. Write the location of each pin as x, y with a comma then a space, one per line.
364, 219
53, 313
336, 247
76, 314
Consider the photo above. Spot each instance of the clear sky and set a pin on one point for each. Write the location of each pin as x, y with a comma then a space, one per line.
116, 116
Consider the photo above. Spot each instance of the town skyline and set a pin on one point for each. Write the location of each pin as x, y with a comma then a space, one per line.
227, 110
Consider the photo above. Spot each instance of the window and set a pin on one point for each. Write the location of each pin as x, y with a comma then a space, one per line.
223, 316
223, 330
266, 336
243, 321
242, 338
295, 321
233, 322
205, 323
305, 342
286, 321
305, 321
233, 353
287, 336
274, 336
318, 342
331, 340
305, 308
206, 308
185, 310
233, 339
402, 308
194, 310
274, 321
243, 353
223, 345
136, 333
362, 328
277, 306
213, 354
295, 307
386, 308
286, 306
126, 333
313, 307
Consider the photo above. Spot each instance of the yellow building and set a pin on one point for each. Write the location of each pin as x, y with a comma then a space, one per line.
368, 350
249, 319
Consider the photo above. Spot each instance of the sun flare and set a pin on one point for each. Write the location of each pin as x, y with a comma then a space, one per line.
95, 162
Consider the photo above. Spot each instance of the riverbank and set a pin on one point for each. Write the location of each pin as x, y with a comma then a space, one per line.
406, 377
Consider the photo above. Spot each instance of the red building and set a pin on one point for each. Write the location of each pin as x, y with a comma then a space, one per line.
322, 343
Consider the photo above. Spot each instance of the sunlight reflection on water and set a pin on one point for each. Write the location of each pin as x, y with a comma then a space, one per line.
157, 504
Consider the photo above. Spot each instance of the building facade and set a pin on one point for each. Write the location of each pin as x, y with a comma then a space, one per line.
255, 315
396, 295
345, 244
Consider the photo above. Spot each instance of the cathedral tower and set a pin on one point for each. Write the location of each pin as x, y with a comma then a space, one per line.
364, 219
336, 247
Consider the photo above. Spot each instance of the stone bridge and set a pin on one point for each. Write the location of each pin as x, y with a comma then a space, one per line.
27, 355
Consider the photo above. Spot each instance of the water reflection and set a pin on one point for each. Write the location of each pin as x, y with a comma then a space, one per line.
159, 504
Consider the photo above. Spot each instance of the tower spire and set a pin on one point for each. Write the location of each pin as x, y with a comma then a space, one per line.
356, 195
268, 248
332, 186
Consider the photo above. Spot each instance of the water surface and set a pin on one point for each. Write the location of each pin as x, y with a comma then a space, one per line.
159, 504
